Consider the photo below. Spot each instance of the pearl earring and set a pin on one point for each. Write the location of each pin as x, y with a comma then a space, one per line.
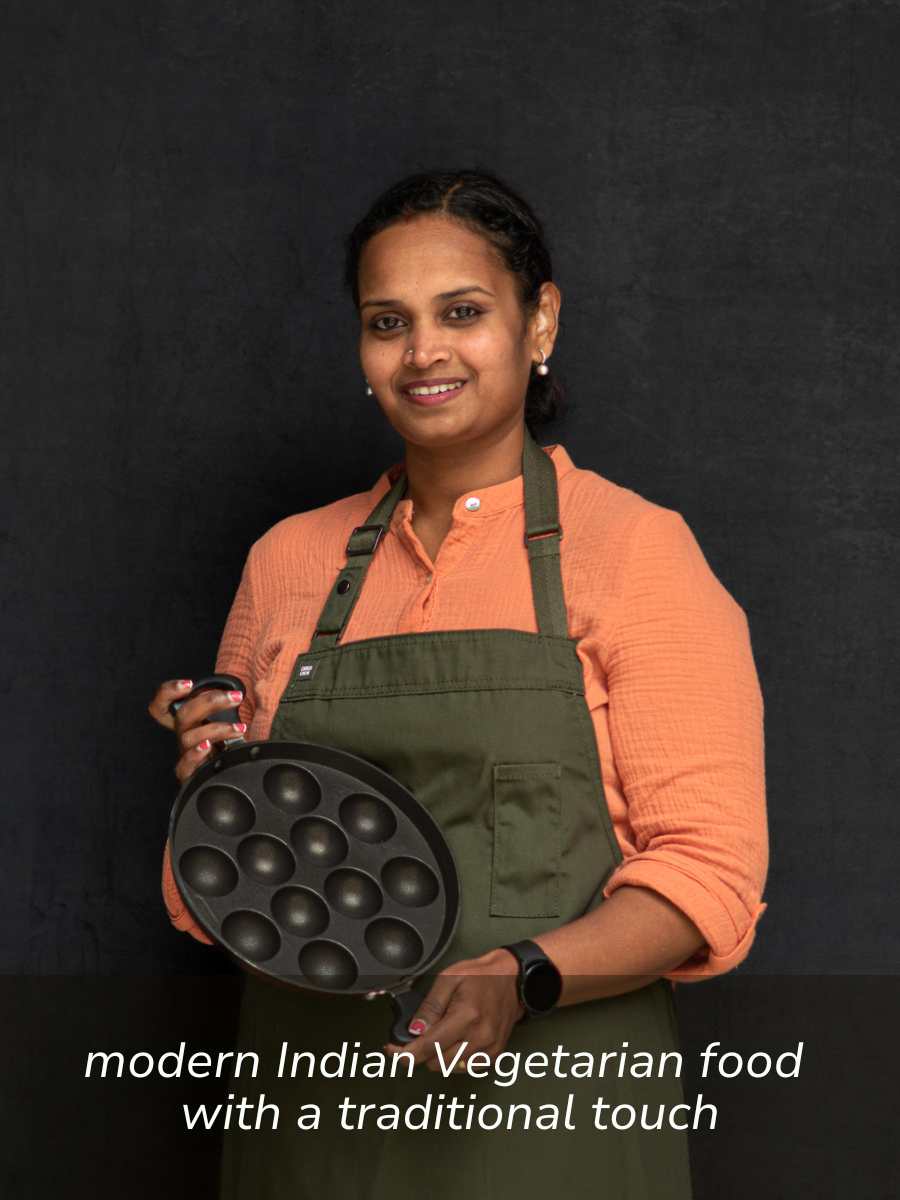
542, 368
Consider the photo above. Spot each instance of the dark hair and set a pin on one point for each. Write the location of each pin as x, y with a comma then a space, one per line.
487, 206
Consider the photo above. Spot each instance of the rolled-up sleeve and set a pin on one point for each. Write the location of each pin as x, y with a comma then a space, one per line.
686, 727
235, 657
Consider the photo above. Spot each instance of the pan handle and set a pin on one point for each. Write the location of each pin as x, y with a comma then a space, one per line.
404, 1005
227, 683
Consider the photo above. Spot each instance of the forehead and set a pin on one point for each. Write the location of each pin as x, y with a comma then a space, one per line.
423, 255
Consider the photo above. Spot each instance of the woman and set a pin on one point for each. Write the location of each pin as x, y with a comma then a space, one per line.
546, 660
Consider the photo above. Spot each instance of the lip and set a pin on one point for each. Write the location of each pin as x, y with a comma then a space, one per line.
431, 401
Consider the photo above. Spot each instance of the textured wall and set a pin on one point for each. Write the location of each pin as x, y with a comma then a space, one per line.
720, 184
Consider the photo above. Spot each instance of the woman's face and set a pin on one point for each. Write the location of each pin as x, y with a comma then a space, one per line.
477, 336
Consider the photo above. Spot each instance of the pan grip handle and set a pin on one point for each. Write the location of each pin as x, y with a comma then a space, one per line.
404, 1006
225, 683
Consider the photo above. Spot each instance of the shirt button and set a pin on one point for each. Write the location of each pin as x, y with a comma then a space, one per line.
473, 504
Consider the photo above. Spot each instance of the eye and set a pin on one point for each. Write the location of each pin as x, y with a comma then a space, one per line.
470, 310
383, 328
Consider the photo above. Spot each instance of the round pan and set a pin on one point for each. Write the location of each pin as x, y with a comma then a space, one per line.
314, 868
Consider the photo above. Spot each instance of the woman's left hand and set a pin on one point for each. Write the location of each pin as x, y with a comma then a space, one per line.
474, 1001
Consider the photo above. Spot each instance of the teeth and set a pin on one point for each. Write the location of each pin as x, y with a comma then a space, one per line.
433, 391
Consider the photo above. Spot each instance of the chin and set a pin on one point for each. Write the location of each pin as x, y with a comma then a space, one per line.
434, 433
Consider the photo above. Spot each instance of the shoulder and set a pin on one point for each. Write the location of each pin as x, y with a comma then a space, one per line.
589, 494
310, 541
638, 547
605, 518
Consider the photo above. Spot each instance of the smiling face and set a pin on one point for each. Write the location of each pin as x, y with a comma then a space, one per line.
479, 335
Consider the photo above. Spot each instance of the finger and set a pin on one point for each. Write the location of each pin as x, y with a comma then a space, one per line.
462, 1066
188, 763
422, 1047
199, 709
158, 708
476, 1040
454, 1036
216, 732
204, 741
448, 1052
475, 1016
469, 1046
497, 1047
434, 1003
457, 1025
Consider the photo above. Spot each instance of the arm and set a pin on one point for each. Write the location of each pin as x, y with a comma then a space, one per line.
686, 726
236, 656
626, 943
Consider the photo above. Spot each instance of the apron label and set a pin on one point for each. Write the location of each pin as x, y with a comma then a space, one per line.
305, 671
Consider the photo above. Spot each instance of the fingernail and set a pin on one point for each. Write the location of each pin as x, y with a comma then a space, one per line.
235, 696
239, 726
184, 684
417, 1026
204, 746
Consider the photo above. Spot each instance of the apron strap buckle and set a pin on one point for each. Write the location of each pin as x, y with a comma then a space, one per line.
542, 531
361, 540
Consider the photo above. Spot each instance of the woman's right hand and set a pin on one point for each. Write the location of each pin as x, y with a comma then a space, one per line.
191, 724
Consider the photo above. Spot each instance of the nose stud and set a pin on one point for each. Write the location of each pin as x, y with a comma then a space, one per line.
369, 391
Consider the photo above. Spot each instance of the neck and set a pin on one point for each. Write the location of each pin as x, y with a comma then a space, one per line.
438, 475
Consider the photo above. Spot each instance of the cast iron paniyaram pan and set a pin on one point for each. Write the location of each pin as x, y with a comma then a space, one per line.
314, 867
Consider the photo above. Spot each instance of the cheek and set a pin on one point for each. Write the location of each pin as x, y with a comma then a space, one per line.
377, 361
488, 353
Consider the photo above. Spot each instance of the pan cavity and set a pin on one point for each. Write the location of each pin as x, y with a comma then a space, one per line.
225, 810
367, 818
300, 911
252, 935
319, 841
393, 942
353, 893
292, 789
265, 859
208, 871
410, 882
328, 965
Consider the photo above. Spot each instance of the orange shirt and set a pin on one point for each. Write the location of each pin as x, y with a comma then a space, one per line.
669, 674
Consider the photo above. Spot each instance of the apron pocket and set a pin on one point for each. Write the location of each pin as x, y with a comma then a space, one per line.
525, 866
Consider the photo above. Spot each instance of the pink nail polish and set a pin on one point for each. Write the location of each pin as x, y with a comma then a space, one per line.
184, 684
240, 727
235, 696
204, 745
417, 1026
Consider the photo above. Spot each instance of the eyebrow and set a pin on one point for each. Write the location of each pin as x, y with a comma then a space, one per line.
440, 296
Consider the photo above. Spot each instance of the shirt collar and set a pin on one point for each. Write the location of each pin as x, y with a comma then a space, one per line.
493, 499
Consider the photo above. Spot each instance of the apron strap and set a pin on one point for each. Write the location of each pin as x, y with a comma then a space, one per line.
543, 533
542, 537
360, 551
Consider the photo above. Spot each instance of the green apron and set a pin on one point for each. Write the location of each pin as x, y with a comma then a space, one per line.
490, 730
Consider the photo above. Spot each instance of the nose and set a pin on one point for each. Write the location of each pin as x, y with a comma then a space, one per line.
424, 352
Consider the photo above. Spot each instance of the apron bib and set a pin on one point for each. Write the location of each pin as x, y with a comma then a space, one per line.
490, 730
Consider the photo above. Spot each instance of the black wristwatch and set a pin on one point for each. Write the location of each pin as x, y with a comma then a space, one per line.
539, 983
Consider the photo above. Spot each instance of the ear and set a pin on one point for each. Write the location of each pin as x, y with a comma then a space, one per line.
544, 323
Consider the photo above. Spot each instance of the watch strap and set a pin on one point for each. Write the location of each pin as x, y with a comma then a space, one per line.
527, 953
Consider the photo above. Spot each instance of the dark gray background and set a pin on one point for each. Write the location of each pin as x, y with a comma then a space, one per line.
720, 186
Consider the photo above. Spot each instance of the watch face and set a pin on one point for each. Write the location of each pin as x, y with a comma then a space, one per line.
542, 986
